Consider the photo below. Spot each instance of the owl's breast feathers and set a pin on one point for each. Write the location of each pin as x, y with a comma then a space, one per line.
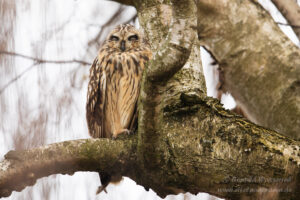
113, 91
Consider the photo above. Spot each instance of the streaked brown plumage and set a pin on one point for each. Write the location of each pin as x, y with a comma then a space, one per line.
114, 82
114, 85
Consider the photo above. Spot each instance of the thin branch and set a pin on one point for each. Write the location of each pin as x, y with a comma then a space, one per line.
291, 12
39, 60
284, 24
17, 77
114, 19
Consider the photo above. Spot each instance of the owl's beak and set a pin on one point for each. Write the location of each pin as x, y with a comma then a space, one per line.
122, 45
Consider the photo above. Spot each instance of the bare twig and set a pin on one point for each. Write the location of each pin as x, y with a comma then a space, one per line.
115, 18
39, 60
284, 24
17, 77
291, 12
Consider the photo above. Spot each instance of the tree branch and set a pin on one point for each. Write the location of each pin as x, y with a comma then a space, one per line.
291, 11
258, 64
39, 61
168, 22
176, 49
291, 25
114, 18
197, 147
16, 78
23, 168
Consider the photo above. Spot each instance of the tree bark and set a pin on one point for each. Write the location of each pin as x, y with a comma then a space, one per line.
201, 148
291, 11
259, 65
23, 168
186, 141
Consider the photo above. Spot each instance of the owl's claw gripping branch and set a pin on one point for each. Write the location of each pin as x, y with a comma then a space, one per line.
121, 131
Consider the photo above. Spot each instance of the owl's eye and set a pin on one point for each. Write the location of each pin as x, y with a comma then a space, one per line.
114, 38
133, 38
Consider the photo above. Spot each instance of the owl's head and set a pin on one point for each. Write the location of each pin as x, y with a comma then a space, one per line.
125, 37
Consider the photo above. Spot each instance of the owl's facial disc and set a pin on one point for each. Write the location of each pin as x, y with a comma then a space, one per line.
124, 38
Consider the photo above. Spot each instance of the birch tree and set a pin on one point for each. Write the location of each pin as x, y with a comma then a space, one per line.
186, 141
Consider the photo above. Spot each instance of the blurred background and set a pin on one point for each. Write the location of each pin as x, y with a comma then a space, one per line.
46, 48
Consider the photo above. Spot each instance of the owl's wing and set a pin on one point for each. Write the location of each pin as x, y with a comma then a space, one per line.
96, 100
134, 119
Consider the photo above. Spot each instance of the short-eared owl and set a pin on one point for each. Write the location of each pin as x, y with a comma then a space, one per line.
114, 85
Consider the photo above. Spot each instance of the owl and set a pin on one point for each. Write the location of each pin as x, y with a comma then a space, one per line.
114, 84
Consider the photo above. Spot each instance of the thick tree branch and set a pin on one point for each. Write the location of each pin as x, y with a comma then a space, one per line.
175, 51
291, 11
23, 168
238, 149
259, 65
197, 147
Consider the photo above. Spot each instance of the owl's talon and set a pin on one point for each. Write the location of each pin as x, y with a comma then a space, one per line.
130, 132
122, 131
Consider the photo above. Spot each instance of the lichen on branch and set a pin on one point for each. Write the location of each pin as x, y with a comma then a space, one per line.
23, 168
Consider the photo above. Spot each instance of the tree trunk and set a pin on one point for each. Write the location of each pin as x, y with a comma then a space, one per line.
259, 65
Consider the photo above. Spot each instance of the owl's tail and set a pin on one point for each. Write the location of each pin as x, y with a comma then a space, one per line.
104, 179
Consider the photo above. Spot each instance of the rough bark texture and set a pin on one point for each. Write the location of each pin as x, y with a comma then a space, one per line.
291, 11
172, 51
200, 148
186, 141
259, 65
23, 168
